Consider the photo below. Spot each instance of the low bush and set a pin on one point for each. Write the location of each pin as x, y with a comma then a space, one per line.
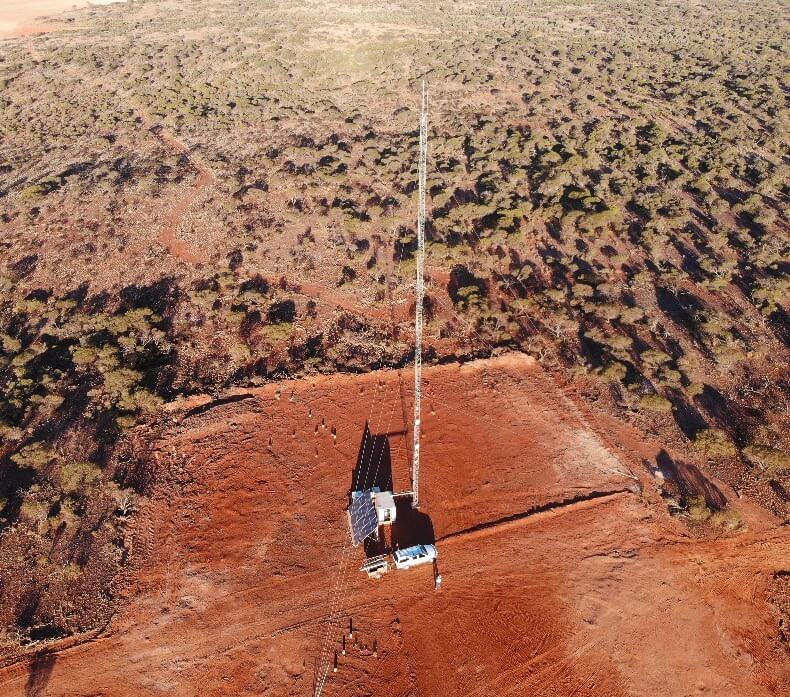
714, 443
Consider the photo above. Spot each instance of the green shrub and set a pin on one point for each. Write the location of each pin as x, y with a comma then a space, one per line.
469, 296
34, 511
146, 400
10, 344
606, 310
655, 357
36, 455
728, 519
697, 509
121, 380
8, 432
273, 332
772, 459
33, 192
714, 443
71, 571
655, 402
126, 421
67, 516
593, 221
615, 372
619, 342
83, 355
76, 476
729, 354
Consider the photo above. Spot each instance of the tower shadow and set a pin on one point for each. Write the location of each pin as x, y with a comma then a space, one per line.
374, 463
40, 672
374, 469
411, 526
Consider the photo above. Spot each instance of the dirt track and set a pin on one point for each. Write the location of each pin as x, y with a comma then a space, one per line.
558, 578
174, 217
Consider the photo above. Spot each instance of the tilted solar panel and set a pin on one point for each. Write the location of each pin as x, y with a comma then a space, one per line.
362, 517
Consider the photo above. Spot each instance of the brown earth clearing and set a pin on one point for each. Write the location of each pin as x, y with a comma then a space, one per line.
19, 17
563, 572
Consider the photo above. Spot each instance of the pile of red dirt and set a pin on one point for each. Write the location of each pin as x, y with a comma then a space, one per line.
563, 573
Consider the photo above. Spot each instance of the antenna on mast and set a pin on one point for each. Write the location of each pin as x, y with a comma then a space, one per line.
420, 287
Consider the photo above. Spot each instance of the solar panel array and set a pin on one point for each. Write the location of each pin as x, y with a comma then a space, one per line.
363, 517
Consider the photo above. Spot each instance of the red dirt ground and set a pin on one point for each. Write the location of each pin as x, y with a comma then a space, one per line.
560, 577
18, 17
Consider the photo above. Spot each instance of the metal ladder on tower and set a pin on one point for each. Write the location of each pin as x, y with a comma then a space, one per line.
420, 293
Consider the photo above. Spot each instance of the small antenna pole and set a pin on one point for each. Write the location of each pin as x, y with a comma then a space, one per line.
418, 319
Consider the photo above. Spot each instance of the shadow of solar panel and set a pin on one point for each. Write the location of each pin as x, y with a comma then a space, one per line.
362, 517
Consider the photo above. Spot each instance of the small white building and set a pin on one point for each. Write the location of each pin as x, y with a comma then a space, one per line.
369, 510
384, 502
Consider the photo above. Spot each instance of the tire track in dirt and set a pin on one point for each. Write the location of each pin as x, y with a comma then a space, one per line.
321, 293
562, 668
168, 235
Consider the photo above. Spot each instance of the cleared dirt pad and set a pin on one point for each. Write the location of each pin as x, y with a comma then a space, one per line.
17, 17
598, 595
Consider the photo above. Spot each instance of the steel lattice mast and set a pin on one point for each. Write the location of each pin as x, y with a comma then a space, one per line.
420, 287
